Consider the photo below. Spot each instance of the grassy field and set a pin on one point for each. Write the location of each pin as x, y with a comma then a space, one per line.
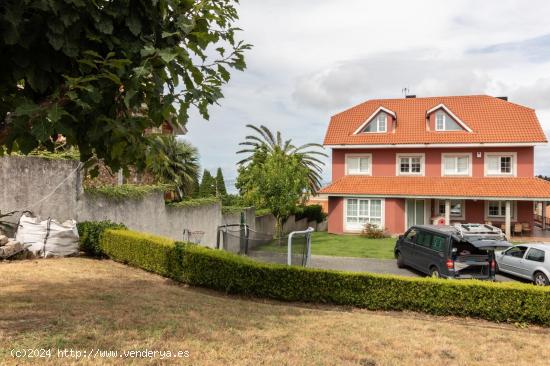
343, 246
85, 304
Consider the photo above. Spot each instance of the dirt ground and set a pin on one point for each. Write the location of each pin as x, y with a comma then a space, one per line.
91, 307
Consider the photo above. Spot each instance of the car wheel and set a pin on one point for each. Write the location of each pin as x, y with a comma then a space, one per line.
540, 279
434, 272
399, 260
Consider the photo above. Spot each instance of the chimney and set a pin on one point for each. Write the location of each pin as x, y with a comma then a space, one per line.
503, 98
410, 96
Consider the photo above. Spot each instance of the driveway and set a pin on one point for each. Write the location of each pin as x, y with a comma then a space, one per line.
382, 266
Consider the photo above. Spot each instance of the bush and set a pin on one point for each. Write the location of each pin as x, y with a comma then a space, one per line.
152, 253
240, 275
371, 231
311, 212
90, 233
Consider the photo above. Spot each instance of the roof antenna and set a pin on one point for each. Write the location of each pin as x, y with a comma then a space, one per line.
405, 91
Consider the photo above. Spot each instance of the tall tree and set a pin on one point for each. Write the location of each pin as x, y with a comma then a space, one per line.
102, 72
221, 191
208, 185
276, 181
265, 143
173, 162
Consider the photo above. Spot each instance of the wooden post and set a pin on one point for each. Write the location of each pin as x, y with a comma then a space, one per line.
447, 212
508, 220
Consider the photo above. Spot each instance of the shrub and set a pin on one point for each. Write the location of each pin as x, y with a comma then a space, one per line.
240, 275
371, 231
263, 211
126, 191
311, 212
90, 233
195, 202
152, 253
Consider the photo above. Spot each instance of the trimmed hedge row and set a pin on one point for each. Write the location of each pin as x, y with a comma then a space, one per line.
90, 233
239, 275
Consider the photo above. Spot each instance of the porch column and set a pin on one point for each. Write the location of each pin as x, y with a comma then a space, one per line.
543, 215
447, 212
508, 220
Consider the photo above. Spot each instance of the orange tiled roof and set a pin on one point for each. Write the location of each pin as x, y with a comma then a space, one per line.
492, 120
528, 187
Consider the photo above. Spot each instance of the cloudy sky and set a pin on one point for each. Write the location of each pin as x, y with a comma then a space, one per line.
312, 59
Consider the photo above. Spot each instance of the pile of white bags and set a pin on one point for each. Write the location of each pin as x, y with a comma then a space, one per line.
48, 238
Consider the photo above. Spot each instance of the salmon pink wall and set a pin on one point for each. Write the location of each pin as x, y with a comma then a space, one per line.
335, 215
384, 160
394, 215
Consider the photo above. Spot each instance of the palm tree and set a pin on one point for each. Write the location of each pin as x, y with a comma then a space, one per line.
174, 162
265, 142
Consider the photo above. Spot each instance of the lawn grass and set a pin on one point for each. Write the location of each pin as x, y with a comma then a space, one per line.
85, 304
323, 243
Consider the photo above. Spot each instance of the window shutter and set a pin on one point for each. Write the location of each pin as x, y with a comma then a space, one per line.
493, 164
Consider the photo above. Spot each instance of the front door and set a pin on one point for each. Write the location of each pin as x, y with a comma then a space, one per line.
416, 212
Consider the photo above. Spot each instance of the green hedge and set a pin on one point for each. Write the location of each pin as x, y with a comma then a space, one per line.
311, 212
240, 275
90, 233
195, 202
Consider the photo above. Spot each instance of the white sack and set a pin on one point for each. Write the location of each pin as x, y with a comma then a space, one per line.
48, 237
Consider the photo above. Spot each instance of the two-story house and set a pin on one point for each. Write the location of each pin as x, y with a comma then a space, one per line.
400, 162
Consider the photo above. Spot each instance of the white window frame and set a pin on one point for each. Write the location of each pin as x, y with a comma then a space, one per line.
513, 155
369, 156
358, 227
422, 157
456, 155
361, 128
381, 117
514, 211
462, 215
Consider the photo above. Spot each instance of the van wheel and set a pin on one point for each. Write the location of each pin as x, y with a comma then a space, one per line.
434, 272
399, 260
540, 279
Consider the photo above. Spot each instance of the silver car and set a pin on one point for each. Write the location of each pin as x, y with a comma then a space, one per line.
529, 261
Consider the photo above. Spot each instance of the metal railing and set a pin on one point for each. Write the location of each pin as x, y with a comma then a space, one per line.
307, 233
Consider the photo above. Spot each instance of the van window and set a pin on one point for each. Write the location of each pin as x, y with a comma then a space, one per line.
424, 239
438, 243
411, 235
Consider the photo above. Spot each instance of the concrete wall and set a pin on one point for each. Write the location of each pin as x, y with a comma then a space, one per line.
26, 180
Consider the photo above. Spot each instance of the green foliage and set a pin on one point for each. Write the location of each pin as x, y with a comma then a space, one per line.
263, 212
126, 191
311, 213
91, 233
102, 72
152, 253
199, 266
195, 202
276, 181
208, 185
265, 143
232, 200
174, 162
232, 209
371, 231
221, 191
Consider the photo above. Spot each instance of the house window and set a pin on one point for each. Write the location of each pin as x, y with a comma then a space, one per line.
362, 211
497, 209
457, 208
410, 164
358, 164
443, 122
378, 124
500, 164
456, 164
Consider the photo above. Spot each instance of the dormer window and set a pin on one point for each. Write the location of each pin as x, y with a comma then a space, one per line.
378, 124
443, 122
441, 118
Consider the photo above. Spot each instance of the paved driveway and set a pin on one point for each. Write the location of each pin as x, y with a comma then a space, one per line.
383, 266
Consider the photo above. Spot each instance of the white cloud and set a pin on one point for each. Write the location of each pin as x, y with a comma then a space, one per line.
312, 59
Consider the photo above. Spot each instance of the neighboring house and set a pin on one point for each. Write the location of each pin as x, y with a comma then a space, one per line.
401, 162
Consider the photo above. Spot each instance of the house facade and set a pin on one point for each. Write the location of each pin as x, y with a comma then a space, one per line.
401, 162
